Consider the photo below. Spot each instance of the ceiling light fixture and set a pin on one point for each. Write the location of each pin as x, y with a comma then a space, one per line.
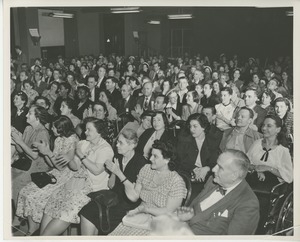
289, 13
180, 16
126, 10
153, 22
61, 15
130, 11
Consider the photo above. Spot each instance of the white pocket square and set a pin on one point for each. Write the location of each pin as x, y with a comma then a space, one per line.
225, 214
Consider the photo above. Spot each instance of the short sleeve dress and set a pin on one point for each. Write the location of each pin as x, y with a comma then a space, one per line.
279, 158
22, 178
32, 199
68, 200
154, 195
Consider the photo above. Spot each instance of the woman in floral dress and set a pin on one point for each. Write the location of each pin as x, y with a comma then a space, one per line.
65, 203
32, 199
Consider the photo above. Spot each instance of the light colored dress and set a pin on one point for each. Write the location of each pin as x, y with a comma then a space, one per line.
68, 200
279, 158
154, 195
32, 199
21, 178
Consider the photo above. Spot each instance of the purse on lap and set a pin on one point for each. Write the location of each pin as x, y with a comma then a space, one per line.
23, 163
139, 221
42, 179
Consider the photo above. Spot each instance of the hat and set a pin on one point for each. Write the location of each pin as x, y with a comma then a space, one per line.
131, 57
208, 67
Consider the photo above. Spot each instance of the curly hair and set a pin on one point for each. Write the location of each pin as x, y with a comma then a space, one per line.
168, 152
64, 126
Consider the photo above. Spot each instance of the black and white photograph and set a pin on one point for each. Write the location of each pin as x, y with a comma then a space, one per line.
135, 119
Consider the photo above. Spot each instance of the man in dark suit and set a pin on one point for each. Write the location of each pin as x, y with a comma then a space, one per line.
259, 113
40, 85
94, 90
146, 101
128, 102
84, 70
114, 93
101, 78
227, 205
153, 74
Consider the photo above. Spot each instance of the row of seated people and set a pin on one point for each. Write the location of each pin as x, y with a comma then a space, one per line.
83, 167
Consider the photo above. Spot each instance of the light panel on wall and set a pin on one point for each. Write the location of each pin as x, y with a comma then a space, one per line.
153, 22
126, 10
61, 15
180, 16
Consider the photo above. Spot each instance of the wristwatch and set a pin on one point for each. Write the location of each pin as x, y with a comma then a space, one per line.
81, 159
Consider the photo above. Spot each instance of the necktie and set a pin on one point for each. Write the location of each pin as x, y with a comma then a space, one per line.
221, 190
146, 103
265, 155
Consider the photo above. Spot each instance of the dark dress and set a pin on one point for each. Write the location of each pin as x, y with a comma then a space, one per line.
90, 211
18, 120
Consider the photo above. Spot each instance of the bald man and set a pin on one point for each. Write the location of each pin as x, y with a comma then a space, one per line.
147, 100
227, 205
128, 102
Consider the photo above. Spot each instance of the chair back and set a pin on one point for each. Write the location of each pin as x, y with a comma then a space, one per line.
188, 185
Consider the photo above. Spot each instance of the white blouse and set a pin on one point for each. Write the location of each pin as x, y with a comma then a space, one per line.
279, 158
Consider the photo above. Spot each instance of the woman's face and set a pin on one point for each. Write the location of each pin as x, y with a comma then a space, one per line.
269, 128
157, 160
166, 86
266, 99
103, 97
18, 101
216, 87
123, 146
284, 76
31, 116
199, 89
91, 132
281, 109
53, 88
255, 79
130, 68
196, 129
145, 68
146, 122
272, 85
158, 122
65, 109
27, 87
189, 98
98, 111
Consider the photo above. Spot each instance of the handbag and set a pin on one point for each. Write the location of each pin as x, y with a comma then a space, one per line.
23, 163
104, 199
42, 179
139, 221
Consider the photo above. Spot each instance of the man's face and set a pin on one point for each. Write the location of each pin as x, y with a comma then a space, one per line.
272, 85
198, 75
37, 76
62, 91
173, 98
147, 89
226, 97
209, 114
224, 171
159, 104
156, 67
101, 72
243, 118
56, 75
41, 103
125, 91
250, 98
91, 83
110, 85
207, 89
183, 84
83, 70
268, 73
23, 76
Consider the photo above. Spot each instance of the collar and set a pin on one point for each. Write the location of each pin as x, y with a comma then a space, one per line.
229, 189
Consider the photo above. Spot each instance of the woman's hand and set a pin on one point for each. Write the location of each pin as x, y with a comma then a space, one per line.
113, 167
79, 153
185, 213
41, 147
261, 176
60, 161
16, 137
139, 209
201, 172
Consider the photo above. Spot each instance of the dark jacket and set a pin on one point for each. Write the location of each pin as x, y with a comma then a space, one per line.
166, 136
261, 114
141, 100
211, 101
123, 105
187, 150
115, 96
242, 207
19, 121
78, 112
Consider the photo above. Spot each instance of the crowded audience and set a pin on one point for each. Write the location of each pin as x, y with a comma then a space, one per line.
143, 128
